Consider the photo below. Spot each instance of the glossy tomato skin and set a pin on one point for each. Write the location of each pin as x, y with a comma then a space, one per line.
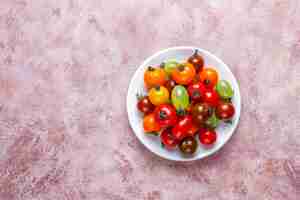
196, 91
150, 124
154, 77
207, 137
211, 97
209, 77
200, 113
168, 139
192, 131
159, 95
197, 61
180, 130
145, 106
224, 89
165, 115
180, 98
188, 145
184, 74
225, 110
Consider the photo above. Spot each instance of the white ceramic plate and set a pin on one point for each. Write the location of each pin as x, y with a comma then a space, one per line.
153, 143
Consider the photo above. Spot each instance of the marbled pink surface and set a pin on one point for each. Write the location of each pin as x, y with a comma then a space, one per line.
64, 70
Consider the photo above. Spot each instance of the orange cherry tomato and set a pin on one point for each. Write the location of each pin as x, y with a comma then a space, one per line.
154, 77
184, 74
150, 124
209, 77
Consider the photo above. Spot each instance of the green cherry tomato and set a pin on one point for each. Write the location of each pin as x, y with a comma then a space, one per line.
212, 122
180, 98
170, 65
224, 89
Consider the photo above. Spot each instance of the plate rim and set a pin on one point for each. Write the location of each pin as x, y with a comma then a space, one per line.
183, 159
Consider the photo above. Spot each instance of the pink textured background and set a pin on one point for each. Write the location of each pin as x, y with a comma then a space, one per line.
64, 70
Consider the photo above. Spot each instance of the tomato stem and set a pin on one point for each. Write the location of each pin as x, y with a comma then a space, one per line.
206, 82
157, 87
196, 52
181, 67
151, 68
162, 115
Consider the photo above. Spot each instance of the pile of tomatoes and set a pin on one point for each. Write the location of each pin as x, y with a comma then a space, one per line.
185, 99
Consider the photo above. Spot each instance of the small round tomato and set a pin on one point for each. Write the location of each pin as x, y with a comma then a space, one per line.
150, 124
184, 74
165, 115
196, 91
188, 145
197, 61
207, 137
159, 95
209, 77
144, 105
211, 97
170, 84
225, 110
224, 89
154, 77
180, 98
200, 113
184, 124
167, 139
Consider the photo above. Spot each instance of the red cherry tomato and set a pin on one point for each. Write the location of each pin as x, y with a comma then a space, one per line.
211, 97
168, 139
196, 91
225, 110
144, 105
207, 137
165, 115
180, 130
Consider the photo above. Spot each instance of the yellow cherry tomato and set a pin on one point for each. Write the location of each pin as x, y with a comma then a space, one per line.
159, 95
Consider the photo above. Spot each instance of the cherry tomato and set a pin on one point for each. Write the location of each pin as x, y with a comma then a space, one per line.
184, 74
225, 110
196, 91
154, 77
209, 77
207, 137
167, 139
211, 97
188, 145
192, 131
144, 105
159, 95
200, 113
170, 84
197, 61
150, 124
165, 115
224, 89
184, 124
